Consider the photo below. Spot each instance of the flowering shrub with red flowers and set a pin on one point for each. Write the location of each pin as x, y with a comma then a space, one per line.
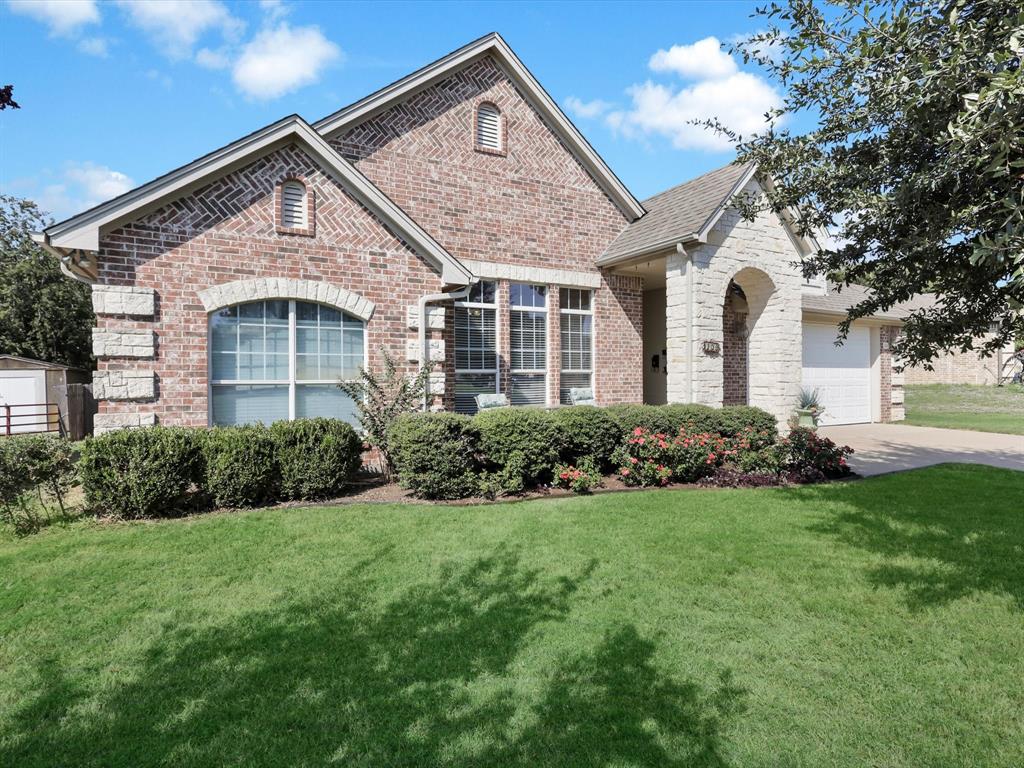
698, 454
655, 458
810, 456
645, 458
579, 478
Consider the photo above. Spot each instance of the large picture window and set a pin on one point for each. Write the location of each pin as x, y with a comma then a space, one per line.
476, 346
576, 315
529, 347
280, 359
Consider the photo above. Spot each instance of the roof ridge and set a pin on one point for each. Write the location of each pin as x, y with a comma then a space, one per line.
682, 184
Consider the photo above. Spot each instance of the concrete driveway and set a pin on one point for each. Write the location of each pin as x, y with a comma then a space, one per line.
882, 448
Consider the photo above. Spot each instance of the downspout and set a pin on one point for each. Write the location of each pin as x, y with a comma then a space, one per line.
689, 320
430, 298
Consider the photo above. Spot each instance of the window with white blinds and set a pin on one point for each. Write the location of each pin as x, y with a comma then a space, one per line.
293, 205
528, 333
476, 346
576, 316
488, 127
276, 360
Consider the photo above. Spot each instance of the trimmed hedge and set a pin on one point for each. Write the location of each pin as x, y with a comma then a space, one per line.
137, 473
435, 454
522, 437
587, 432
240, 466
316, 457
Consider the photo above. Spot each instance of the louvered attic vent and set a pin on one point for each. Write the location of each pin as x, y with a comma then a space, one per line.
488, 127
293, 205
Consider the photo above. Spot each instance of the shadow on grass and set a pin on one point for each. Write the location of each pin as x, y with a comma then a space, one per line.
944, 533
432, 678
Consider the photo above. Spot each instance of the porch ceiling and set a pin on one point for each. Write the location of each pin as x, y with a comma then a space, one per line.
652, 271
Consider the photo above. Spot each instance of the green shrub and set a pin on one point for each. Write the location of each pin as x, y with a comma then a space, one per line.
653, 418
141, 473
692, 417
578, 478
435, 454
240, 466
586, 431
811, 457
36, 472
530, 432
317, 458
732, 419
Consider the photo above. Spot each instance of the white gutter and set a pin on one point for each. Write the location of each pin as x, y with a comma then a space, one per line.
424, 347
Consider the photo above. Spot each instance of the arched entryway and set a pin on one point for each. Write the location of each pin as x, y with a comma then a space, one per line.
750, 343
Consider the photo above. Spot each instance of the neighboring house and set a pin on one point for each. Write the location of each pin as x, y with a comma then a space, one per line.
968, 368
457, 214
36, 396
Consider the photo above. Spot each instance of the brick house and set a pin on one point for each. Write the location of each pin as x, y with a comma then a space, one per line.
455, 215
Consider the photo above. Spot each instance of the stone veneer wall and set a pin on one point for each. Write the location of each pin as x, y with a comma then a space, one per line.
760, 257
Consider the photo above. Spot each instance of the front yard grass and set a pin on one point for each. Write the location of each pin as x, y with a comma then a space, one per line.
965, 406
876, 622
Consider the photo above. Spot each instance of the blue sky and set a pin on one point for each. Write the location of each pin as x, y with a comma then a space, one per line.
114, 94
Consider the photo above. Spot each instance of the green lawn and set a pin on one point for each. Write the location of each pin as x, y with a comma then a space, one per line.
871, 623
963, 406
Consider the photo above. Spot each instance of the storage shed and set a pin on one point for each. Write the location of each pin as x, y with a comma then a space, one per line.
36, 396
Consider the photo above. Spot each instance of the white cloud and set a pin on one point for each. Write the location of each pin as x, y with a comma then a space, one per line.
82, 186
159, 77
587, 109
176, 25
274, 9
282, 59
739, 100
703, 60
62, 16
94, 46
212, 59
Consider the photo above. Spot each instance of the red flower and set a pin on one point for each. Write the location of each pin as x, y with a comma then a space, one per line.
638, 431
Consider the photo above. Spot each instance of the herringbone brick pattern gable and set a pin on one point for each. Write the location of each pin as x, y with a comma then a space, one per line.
242, 203
536, 205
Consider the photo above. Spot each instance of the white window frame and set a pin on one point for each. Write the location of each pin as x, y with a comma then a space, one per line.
546, 311
292, 382
497, 337
593, 333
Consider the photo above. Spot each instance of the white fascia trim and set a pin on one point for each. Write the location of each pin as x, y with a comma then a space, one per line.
494, 45
648, 251
83, 231
490, 270
702, 235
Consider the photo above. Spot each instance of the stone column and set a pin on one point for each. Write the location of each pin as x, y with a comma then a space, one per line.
676, 318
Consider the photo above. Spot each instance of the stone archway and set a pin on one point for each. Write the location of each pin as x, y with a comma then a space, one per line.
752, 340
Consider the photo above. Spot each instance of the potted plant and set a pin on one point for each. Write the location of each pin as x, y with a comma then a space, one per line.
809, 408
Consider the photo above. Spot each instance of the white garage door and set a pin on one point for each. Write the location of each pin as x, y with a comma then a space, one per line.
842, 375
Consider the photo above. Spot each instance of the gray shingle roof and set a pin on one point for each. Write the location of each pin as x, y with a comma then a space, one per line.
676, 213
837, 301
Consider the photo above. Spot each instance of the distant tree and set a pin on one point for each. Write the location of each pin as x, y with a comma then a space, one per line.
915, 159
43, 313
7, 98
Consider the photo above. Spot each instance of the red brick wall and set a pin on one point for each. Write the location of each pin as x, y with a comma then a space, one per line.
226, 232
734, 351
534, 205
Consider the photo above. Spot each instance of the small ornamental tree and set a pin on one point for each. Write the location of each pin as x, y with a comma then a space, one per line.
380, 400
914, 158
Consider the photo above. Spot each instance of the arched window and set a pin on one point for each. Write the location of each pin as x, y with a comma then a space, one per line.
282, 359
294, 206
488, 128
